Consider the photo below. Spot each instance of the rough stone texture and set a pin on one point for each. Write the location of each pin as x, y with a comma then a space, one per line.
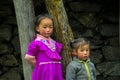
5, 32
109, 68
96, 20
12, 74
108, 30
111, 53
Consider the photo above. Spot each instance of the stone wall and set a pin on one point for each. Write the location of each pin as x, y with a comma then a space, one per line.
10, 59
97, 20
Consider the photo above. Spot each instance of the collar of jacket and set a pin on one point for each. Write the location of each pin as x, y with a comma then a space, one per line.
76, 59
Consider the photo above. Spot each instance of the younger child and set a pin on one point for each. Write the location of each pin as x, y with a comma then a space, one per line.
81, 68
44, 52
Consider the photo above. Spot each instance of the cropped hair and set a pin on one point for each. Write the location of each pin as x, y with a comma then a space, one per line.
39, 18
78, 42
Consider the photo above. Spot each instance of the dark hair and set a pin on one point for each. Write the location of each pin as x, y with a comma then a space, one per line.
39, 18
78, 42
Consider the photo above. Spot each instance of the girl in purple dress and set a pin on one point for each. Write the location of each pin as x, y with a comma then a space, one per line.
44, 53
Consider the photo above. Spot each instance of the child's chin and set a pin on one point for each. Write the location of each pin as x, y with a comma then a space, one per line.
84, 59
47, 35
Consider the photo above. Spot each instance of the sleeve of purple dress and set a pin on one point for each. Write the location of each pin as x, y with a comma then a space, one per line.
58, 46
32, 48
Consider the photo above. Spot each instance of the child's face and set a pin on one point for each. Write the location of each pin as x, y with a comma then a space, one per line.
45, 28
83, 52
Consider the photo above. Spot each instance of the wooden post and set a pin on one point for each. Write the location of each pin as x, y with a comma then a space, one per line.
63, 31
25, 19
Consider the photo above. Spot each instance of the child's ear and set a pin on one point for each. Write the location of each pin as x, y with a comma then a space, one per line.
37, 28
74, 53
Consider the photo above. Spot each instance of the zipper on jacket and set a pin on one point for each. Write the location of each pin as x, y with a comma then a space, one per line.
87, 70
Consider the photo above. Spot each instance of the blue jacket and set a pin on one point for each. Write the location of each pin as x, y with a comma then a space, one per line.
80, 70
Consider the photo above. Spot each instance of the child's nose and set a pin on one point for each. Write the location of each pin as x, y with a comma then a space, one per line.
48, 29
85, 52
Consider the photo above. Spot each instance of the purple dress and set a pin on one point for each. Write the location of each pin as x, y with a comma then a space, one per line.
48, 65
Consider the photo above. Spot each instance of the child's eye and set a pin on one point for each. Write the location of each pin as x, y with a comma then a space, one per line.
48, 26
51, 26
81, 50
44, 26
87, 50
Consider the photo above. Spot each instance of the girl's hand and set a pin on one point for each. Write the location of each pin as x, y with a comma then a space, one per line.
31, 59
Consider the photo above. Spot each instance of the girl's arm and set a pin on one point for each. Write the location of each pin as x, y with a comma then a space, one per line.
70, 72
31, 59
94, 72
